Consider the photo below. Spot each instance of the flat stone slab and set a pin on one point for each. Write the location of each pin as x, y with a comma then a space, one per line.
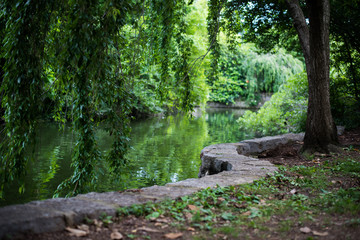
169, 191
222, 165
259, 145
235, 156
29, 218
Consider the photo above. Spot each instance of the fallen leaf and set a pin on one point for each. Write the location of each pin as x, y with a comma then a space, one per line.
146, 229
98, 223
188, 216
162, 220
193, 208
220, 199
305, 230
293, 191
191, 229
83, 227
242, 205
76, 232
173, 235
263, 203
321, 234
248, 213
115, 235
164, 226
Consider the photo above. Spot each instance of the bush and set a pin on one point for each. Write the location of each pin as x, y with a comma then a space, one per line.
344, 106
285, 112
245, 74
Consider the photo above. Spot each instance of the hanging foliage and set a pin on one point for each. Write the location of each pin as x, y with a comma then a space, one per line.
213, 26
93, 61
23, 80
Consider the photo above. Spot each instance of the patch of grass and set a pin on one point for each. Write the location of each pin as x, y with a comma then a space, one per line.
349, 167
285, 225
292, 197
342, 201
227, 230
354, 222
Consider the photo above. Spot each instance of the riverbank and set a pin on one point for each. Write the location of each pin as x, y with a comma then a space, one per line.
272, 208
162, 150
56, 214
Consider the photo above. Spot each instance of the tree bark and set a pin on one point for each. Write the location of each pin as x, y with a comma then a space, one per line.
320, 131
2, 111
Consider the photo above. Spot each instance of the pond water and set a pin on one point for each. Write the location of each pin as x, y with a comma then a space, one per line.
164, 149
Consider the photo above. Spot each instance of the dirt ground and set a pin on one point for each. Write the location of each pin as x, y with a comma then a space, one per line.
288, 155
164, 228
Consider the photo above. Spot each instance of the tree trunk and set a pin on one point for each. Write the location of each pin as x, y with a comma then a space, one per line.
320, 131
2, 111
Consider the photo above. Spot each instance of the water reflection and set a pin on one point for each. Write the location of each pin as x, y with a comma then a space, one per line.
163, 150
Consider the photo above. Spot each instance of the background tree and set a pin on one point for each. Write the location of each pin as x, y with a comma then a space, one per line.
311, 21
320, 128
244, 73
345, 56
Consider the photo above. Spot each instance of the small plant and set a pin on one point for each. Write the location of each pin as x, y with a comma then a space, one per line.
131, 236
354, 222
107, 220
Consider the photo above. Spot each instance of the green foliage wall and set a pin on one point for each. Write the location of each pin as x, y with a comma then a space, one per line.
345, 106
345, 59
246, 73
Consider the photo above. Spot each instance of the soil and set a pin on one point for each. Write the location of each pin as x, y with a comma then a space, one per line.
337, 226
288, 154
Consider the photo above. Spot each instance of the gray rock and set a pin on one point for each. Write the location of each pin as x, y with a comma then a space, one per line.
29, 218
259, 145
212, 165
168, 191
114, 199
232, 156
340, 130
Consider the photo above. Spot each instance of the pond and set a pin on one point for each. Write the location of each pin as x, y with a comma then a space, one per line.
164, 149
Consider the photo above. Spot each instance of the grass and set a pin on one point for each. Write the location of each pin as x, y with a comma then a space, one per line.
277, 205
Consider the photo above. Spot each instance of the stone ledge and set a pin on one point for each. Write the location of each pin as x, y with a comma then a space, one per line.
214, 157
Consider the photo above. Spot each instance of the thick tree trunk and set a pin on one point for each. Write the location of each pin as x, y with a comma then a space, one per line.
320, 131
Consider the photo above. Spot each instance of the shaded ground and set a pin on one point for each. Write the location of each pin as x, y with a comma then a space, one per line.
297, 203
288, 154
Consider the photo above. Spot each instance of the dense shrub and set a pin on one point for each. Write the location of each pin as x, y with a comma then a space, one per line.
285, 112
245, 74
344, 106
